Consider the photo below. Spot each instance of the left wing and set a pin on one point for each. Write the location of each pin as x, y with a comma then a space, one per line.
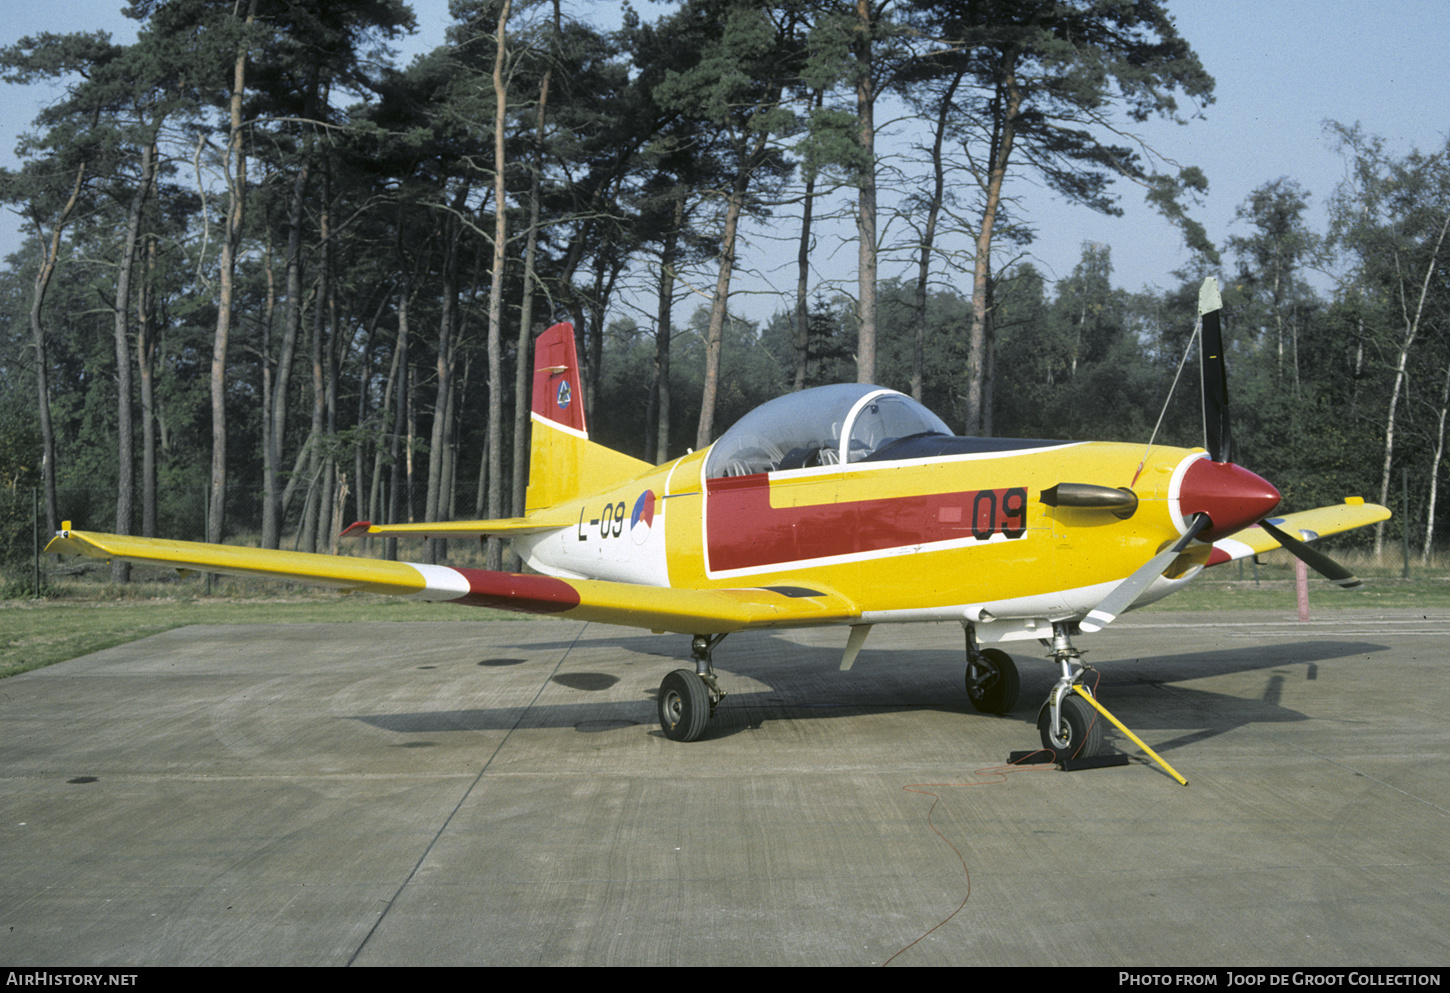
1306, 524
686, 611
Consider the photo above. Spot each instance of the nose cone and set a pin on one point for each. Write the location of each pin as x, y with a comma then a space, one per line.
1231, 496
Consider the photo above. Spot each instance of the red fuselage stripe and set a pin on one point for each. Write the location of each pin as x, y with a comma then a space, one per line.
744, 531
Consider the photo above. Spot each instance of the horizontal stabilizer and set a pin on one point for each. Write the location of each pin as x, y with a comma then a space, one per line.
502, 527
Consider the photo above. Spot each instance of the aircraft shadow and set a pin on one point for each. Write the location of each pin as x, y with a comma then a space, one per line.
803, 682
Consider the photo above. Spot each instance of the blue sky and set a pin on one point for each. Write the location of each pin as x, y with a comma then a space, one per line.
1283, 67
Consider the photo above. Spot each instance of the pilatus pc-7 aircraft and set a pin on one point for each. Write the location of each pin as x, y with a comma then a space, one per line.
845, 505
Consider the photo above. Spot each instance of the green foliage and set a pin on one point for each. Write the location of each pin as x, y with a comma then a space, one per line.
19, 475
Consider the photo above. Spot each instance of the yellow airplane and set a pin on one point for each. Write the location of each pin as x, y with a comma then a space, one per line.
844, 505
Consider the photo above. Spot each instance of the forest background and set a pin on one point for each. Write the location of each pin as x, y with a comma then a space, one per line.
260, 291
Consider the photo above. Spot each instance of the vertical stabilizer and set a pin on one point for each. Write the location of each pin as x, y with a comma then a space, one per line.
558, 393
563, 462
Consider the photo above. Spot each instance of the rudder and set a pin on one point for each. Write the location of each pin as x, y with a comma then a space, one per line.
562, 459
558, 394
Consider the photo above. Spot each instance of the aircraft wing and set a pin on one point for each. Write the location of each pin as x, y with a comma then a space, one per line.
686, 611
1306, 524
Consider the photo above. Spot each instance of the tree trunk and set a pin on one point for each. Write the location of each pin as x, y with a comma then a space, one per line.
523, 401
146, 365
274, 500
1435, 468
395, 513
1001, 153
928, 241
1412, 330
803, 273
231, 242
438, 447
125, 427
657, 442
866, 197
43, 276
375, 510
494, 558
705, 433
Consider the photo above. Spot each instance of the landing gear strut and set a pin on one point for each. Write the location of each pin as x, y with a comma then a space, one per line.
688, 699
992, 680
1069, 725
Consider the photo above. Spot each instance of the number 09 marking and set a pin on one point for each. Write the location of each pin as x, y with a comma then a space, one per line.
611, 522
999, 512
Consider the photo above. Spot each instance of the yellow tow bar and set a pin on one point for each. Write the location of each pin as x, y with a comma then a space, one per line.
1120, 726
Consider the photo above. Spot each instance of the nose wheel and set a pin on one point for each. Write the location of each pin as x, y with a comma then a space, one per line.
1068, 724
1077, 734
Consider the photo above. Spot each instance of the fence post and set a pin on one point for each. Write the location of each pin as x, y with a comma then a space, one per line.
1405, 518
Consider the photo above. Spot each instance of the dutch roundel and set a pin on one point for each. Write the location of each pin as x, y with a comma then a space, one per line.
642, 518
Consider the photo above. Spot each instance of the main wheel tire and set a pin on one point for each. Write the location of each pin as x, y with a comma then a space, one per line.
992, 682
684, 705
1080, 735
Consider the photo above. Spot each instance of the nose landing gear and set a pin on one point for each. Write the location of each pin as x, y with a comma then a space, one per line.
1068, 725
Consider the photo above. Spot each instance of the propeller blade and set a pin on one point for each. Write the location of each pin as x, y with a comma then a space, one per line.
1215, 377
1314, 559
1126, 593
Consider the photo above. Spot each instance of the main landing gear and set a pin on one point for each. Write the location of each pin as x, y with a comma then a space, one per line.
1068, 724
688, 699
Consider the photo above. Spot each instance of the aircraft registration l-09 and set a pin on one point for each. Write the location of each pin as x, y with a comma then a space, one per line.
846, 505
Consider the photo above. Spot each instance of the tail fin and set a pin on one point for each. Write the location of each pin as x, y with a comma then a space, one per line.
558, 394
562, 459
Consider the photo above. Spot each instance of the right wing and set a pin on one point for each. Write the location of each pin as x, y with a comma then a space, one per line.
1306, 525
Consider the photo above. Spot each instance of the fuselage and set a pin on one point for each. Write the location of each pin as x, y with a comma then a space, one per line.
962, 533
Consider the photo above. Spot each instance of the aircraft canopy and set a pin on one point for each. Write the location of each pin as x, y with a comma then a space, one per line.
828, 425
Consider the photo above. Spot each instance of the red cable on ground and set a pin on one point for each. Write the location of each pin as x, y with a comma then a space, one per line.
1001, 773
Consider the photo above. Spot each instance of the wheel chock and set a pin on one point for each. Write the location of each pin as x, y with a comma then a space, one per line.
1096, 762
1073, 765
1013, 758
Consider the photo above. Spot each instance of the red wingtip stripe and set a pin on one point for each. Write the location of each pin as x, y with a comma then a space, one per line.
517, 592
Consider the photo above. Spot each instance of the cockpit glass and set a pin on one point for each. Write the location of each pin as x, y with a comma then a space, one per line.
805, 430
886, 419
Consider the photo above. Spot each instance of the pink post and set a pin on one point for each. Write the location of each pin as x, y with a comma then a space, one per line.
1301, 587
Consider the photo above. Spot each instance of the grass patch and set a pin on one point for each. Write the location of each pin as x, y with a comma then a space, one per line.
1270, 586
37, 633
1387, 594
84, 612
